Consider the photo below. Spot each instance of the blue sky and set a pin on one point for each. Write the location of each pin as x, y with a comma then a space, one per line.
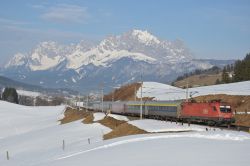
217, 29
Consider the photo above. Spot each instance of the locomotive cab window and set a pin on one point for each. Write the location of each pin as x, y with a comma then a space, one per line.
214, 109
225, 109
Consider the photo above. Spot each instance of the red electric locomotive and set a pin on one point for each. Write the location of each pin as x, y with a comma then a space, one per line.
213, 112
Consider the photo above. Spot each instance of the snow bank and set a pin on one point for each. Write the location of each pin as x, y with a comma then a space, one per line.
150, 125
118, 117
166, 92
98, 116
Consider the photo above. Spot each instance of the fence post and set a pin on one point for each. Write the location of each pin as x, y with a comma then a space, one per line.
63, 145
89, 140
7, 155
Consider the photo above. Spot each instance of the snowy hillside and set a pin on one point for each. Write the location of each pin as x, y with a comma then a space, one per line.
33, 137
115, 60
17, 119
166, 92
28, 93
33, 134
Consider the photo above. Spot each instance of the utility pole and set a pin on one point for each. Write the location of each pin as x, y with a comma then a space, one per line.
135, 93
78, 101
141, 98
87, 104
102, 99
113, 96
102, 95
187, 91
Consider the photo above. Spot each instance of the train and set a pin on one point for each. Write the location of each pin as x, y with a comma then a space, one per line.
211, 113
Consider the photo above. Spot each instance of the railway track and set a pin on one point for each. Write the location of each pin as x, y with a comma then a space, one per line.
232, 127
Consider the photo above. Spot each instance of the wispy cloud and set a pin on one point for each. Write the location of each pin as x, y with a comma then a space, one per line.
64, 13
4, 21
36, 6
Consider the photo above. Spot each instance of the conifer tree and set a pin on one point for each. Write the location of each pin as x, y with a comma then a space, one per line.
10, 95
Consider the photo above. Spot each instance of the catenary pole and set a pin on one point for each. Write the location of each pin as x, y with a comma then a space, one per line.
141, 98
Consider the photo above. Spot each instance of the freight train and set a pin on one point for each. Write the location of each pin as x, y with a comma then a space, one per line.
212, 113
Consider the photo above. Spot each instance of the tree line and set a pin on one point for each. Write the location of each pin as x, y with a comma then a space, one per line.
213, 70
239, 71
10, 94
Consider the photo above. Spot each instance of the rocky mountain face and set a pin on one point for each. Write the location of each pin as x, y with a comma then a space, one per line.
114, 61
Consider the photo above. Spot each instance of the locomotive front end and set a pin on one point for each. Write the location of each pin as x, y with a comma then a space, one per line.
226, 114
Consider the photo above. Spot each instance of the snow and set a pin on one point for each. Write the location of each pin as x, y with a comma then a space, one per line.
150, 125
17, 60
73, 80
161, 91
102, 57
98, 116
238, 88
44, 62
48, 55
145, 37
119, 117
243, 112
17, 119
28, 93
33, 137
166, 92
207, 149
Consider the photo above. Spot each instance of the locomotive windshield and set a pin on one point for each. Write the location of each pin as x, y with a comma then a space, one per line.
225, 109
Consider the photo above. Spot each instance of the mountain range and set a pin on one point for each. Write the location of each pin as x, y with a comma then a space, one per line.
114, 61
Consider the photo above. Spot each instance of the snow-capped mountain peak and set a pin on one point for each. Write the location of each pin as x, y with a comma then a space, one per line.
19, 59
145, 37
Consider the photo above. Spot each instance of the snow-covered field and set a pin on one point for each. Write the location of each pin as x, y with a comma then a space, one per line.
166, 92
28, 93
162, 126
33, 137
